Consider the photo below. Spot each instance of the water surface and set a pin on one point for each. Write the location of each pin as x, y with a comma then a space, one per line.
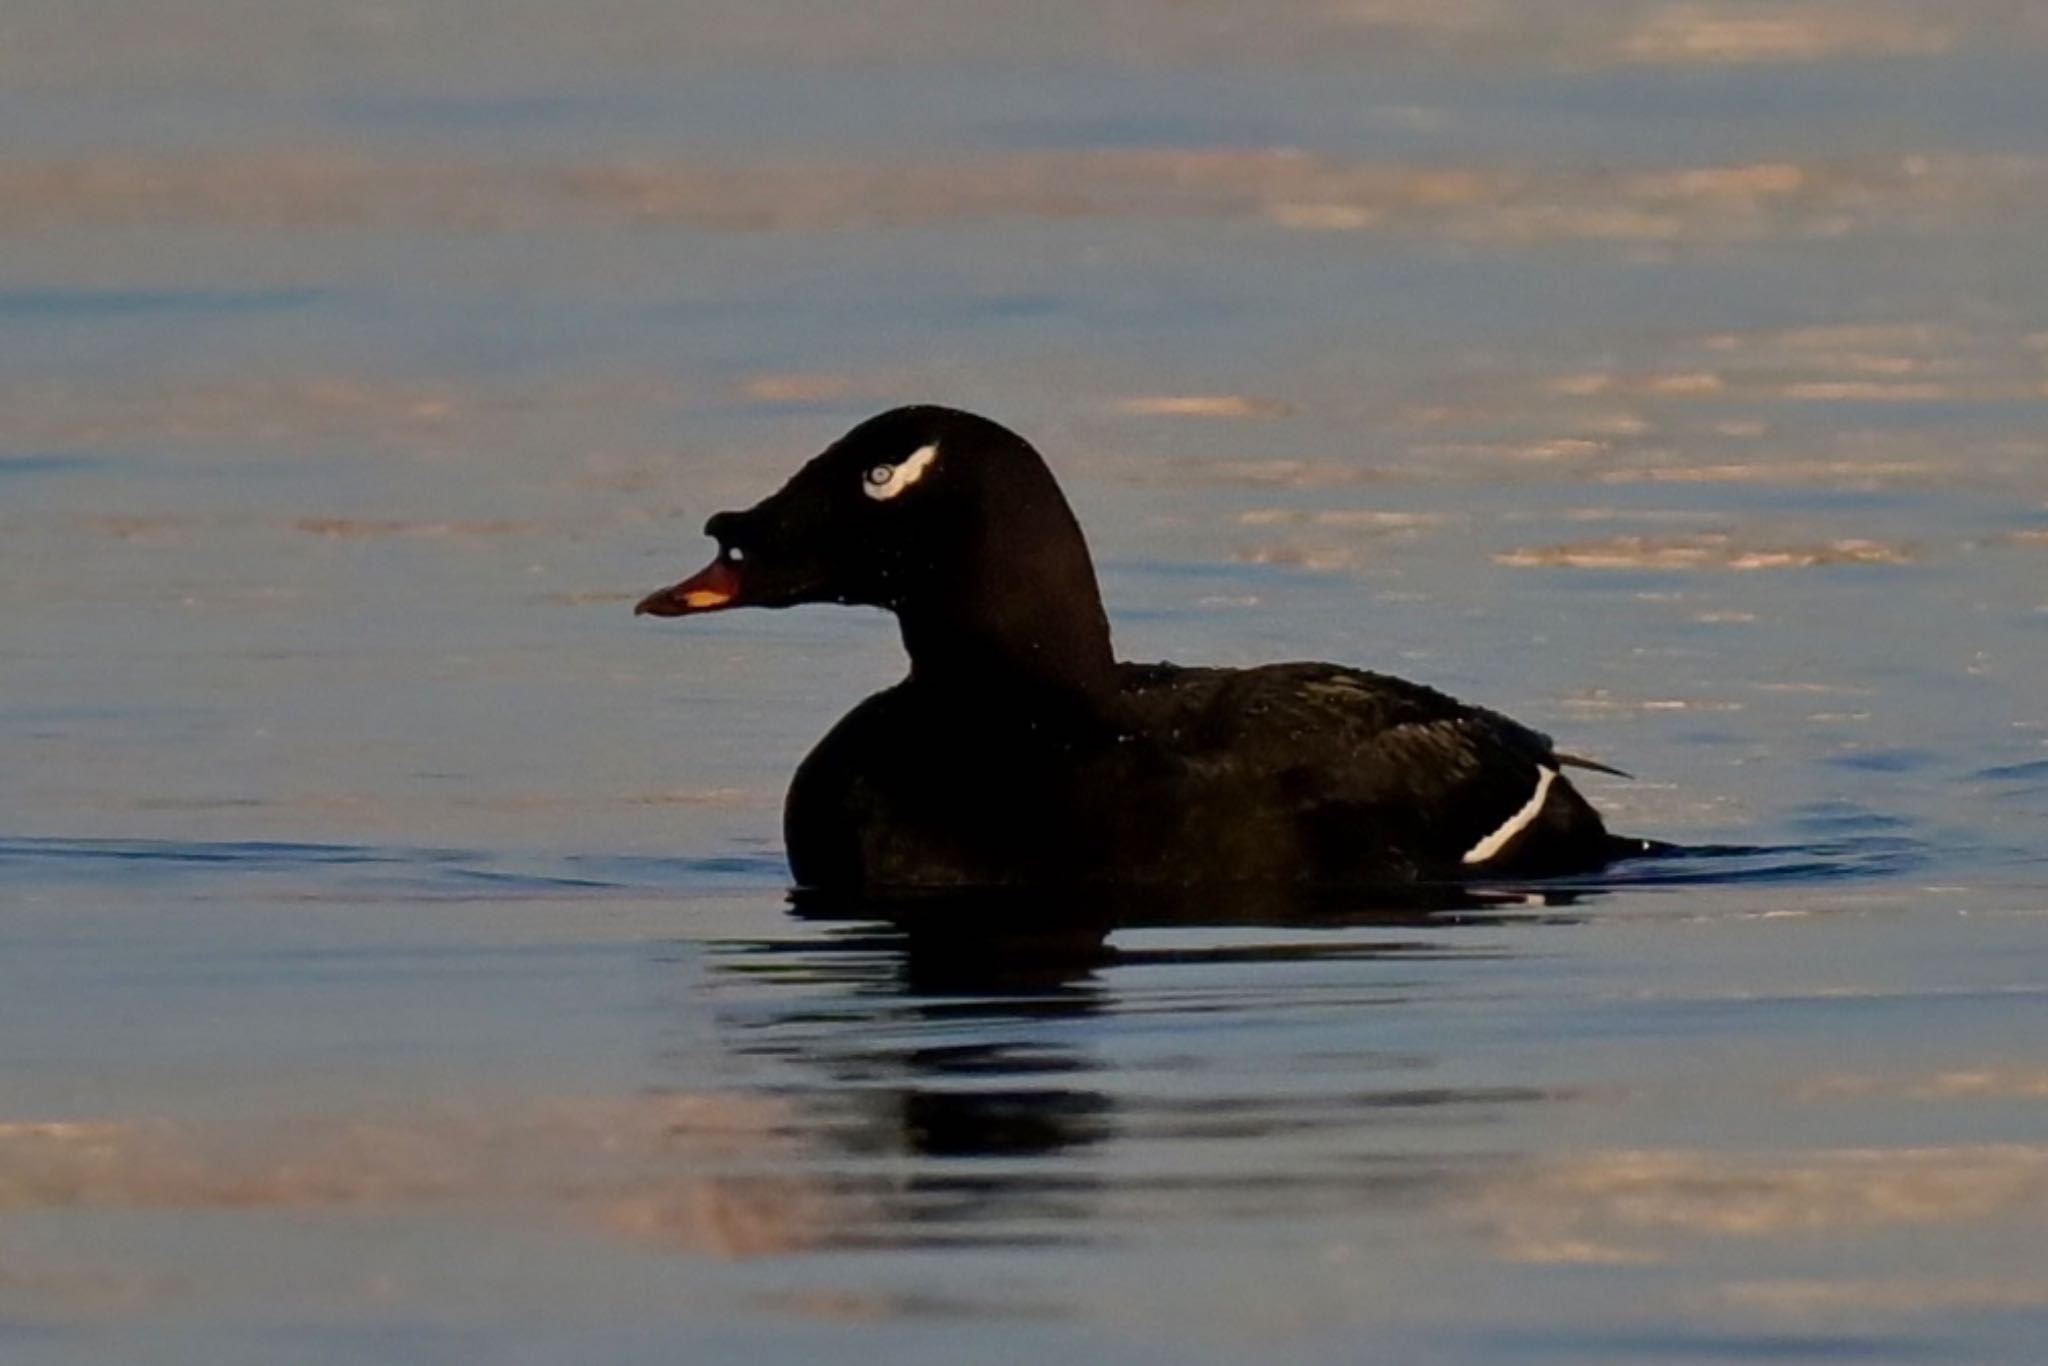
398, 961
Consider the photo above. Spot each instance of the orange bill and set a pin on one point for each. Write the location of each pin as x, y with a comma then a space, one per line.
710, 588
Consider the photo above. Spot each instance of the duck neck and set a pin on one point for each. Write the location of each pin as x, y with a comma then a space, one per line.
1032, 630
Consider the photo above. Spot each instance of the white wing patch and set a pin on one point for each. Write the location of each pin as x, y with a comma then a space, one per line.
886, 481
1515, 824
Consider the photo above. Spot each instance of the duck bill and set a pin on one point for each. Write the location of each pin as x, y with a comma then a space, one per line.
713, 588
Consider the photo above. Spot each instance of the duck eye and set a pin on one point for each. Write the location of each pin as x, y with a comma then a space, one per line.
886, 481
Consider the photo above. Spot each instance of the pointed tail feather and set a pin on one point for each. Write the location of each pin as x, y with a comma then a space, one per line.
1580, 761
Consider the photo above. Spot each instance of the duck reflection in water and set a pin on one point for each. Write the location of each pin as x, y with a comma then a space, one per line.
988, 1026
1023, 946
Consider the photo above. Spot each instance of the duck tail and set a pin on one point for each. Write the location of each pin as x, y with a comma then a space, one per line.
1594, 765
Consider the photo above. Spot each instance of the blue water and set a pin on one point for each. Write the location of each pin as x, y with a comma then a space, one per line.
396, 953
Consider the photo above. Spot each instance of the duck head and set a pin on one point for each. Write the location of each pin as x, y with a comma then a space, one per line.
948, 520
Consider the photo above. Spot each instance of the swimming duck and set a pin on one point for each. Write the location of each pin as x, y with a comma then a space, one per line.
1020, 752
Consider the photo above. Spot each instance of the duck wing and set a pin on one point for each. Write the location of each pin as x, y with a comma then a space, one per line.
1373, 770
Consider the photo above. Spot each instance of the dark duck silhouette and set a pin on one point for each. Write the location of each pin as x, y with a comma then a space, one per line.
1020, 752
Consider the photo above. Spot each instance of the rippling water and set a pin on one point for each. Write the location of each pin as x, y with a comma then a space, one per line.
397, 957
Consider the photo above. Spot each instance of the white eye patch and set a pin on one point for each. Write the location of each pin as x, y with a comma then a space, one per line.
886, 481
